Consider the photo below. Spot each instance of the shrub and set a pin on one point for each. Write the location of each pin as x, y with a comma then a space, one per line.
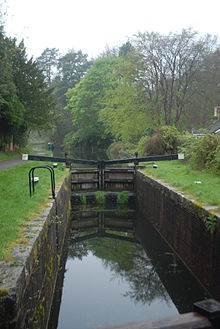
217, 158
114, 149
204, 152
154, 144
142, 145
119, 150
170, 139
187, 145
164, 141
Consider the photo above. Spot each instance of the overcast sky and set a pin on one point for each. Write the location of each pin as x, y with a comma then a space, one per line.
90, 25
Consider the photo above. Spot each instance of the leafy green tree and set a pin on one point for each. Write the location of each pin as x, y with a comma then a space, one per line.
124, 115
87, 99
32, 89
48, 63
11, 109
25, 100
71, 68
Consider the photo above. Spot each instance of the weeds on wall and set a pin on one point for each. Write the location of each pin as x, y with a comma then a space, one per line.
211, 224
122, 198
100, 198
83, 199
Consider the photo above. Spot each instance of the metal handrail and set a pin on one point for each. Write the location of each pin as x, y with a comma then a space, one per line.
31, 178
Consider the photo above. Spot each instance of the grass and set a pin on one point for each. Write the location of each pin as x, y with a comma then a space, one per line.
122, 198
181, 176
100, 198
9, 155
16, 205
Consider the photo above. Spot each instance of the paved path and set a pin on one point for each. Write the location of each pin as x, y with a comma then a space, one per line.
9, 163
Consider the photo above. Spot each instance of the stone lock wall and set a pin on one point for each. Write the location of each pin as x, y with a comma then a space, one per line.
180, 221
27, 282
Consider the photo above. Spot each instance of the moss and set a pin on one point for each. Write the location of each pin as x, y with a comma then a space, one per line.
35, 254
3, 292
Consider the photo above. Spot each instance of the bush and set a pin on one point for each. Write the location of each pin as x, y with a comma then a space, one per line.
142, 146
216, 164
170, 139
154, 144
119, 150
204, 152
164, 141
187, 144
114, 149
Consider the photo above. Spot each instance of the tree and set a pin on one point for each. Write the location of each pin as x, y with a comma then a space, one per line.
25, 100
87, 99
11, 109
205, 92
123, 114
32, 89
169, 64
71, 69
47, 62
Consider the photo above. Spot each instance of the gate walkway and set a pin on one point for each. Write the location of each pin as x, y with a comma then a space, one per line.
102, 175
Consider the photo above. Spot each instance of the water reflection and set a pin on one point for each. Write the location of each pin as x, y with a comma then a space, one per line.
112, 279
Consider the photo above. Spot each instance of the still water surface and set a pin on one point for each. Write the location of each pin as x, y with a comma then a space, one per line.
110, 281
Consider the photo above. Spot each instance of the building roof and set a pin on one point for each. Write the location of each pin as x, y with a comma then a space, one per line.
215, 127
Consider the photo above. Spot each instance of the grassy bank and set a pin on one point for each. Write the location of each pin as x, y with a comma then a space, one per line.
15, 203
203, 186
9, 155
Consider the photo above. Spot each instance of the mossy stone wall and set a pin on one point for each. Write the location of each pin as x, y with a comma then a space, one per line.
181, 222
27, 282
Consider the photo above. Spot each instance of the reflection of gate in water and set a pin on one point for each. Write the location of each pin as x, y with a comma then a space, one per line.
105, 223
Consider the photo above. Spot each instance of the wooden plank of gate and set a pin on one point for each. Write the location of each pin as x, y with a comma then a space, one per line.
184, 321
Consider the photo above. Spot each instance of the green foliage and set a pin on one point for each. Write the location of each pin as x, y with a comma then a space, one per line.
120, 150
170, 139
142, 144
114, 251
83, 199
87, 99
187, 142
164, 141
9, 155
216, 160
100, 198
124, 114
122, 198
204, 152
48, 62
25, 100
211, 224
114, 150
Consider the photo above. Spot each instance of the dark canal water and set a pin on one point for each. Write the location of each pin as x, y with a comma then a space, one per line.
117, 269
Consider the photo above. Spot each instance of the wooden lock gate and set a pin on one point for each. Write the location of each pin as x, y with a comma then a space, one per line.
101, 175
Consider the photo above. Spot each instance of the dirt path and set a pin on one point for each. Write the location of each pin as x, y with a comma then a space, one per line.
9, 163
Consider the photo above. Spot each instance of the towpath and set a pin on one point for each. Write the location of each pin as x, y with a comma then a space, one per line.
9, 163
